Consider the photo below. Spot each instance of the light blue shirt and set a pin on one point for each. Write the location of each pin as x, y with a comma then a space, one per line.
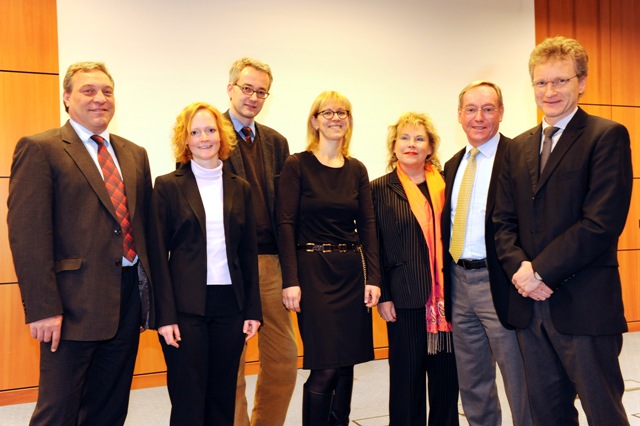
562, 124
474, 242
237, 125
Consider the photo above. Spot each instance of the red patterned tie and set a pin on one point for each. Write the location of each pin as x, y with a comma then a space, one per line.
246, 131
115, 187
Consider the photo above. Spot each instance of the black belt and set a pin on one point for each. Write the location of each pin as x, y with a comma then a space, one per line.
472, 263
328, 248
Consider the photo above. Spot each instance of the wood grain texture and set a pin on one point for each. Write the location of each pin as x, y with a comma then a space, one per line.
29, 36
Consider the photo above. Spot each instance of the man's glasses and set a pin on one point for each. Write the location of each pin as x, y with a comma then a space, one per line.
473, 110
262, 94
558, 82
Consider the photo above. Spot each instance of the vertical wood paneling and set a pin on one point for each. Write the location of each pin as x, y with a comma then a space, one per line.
610, 31
625, 48
19, 352
29, 36
629, 272
30, 103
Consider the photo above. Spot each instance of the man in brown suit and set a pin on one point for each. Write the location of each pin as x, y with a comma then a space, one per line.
79, 256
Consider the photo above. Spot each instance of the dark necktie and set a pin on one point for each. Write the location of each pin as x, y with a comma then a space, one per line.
546, 145
246, 131
115, 187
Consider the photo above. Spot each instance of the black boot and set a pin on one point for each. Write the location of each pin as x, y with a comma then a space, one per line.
315, 407
341, 405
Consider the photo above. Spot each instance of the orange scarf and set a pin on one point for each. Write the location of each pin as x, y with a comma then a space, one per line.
439, 337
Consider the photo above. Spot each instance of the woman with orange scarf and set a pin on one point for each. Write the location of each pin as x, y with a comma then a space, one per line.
408, 204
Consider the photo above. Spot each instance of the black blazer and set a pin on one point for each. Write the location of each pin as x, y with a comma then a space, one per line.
406, 273
567, 222
499, 282
64, 233
275, 149
178, 246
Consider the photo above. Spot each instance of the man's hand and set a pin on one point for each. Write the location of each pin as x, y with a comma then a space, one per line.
387, 311
524, 280
47, 330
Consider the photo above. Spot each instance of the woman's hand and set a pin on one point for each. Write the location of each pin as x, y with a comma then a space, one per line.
250, 328
387, 311
291, 298
171, 334
371, 295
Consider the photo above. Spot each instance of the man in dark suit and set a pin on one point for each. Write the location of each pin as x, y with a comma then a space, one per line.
258, 158
80, 254
475, 283
557, 220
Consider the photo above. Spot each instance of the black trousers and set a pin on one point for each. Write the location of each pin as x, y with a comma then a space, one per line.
410, 365
202, 372
88, 383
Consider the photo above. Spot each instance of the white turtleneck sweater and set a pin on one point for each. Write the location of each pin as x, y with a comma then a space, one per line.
210, 186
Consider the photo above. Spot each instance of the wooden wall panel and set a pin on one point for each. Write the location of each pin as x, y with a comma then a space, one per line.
19, 352
630, 117
29, 36
30, 104
629, 272
630, 238
625, 45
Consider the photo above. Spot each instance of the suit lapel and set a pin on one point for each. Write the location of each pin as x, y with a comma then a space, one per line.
396, 186
187, 183
495, 173
228, 191
78, 152
532, 156
569, 136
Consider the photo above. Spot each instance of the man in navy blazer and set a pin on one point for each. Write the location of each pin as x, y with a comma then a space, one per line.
258, 158
557, 219
84, 300
476, 287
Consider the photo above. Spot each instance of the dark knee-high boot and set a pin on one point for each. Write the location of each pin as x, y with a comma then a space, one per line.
341, 405
315, 407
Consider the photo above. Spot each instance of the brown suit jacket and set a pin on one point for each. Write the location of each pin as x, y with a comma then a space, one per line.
64, 235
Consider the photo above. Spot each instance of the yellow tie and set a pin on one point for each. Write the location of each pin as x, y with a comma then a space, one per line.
462, 207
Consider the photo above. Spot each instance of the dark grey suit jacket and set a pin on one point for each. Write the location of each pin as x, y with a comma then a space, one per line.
275, 150
64, 234
499, 282
567, 222
404, 256
178, 245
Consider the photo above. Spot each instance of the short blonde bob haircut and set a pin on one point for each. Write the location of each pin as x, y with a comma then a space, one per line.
313, 135
414, 119
182, 128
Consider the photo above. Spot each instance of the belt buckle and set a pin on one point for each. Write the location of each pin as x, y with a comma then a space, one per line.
327, 248
309, 247
342, 248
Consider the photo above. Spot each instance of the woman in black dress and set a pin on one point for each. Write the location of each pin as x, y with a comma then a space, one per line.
329, 257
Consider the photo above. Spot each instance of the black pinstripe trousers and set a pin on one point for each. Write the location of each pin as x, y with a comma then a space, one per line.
410, 365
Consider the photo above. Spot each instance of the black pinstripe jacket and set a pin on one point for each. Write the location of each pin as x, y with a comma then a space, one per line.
404, 257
